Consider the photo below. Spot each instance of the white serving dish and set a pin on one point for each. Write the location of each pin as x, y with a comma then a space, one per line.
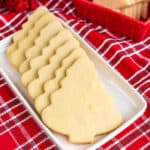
126, 99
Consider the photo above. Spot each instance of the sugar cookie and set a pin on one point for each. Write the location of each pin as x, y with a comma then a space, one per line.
37, 62
82, 108
49, 51
52, 85
47, 72
42, 41
18, 56
26, 28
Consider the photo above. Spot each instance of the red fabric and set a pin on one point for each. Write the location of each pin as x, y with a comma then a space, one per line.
43, 1
33, 4
1, 3
131, 59
19, 5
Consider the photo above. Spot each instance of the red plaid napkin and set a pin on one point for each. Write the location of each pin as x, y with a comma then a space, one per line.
19, 130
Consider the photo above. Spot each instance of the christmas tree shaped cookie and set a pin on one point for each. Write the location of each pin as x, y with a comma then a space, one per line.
81, 108
54, 84
35, 87
18, 55
26, 27
48, 33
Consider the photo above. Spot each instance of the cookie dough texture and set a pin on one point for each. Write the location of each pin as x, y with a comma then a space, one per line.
61, 79
81, 108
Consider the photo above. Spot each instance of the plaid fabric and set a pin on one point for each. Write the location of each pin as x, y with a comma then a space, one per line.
19, 130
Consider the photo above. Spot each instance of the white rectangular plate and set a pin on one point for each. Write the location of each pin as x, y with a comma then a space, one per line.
126, 100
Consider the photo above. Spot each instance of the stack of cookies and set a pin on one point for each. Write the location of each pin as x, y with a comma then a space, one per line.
61, 79
134, 8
